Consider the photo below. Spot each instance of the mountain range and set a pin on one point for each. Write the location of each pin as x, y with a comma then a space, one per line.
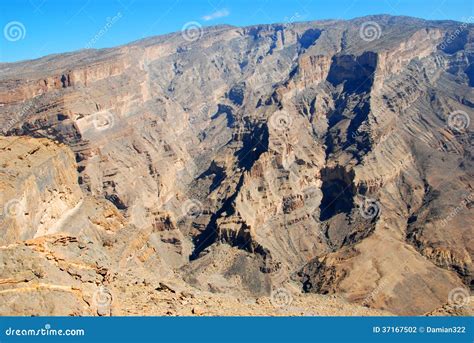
319, 168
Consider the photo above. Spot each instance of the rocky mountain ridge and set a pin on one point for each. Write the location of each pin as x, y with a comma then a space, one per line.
330, 157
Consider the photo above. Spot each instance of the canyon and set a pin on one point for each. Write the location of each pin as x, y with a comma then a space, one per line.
310, 168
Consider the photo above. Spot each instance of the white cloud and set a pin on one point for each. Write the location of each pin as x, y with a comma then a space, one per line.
217, 14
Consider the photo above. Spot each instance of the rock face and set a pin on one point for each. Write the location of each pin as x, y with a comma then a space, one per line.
39, 180
330, 157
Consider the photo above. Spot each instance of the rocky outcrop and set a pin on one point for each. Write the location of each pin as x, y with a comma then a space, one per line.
39, 187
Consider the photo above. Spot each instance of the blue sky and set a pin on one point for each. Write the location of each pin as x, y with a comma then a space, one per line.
34, 28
